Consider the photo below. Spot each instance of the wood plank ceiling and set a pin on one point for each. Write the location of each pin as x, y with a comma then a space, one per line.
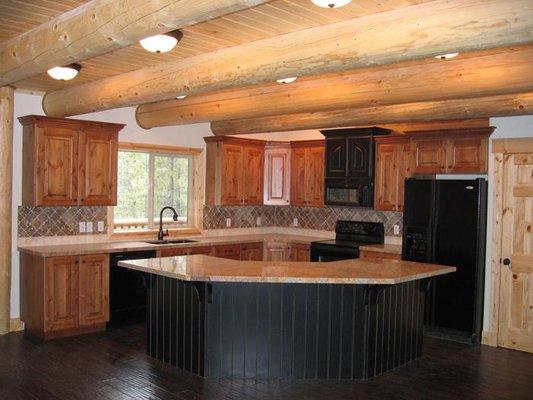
268, 20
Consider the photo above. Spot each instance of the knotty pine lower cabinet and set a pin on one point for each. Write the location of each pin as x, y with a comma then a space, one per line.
64, 296
300, 252
252, 251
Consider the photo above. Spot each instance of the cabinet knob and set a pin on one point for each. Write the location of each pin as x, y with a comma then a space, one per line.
506, 262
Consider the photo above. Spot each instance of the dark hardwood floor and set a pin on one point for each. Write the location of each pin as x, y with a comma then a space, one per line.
113, 365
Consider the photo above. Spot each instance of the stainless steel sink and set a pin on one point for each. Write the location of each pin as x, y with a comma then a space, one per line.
170, 241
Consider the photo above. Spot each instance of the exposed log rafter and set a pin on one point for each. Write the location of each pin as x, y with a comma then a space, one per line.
409, 33
492, 106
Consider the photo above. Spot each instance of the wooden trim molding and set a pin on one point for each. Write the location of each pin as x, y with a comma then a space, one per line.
512, 146
158, 148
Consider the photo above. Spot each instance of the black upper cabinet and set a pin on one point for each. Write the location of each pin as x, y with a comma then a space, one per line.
350, 152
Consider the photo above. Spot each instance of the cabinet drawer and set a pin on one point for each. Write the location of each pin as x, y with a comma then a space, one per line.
228, 251
174, 251
207, 250
365, 254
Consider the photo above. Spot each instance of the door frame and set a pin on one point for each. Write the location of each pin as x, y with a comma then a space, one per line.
500, 148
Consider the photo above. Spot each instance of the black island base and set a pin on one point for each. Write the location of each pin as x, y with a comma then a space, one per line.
284, 330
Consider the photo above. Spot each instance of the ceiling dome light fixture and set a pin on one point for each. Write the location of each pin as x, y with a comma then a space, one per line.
290, 79
331, 3
162, 43
65, 73
181, 96
446, 56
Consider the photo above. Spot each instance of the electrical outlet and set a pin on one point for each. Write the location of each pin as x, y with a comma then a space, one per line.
89, 226
228, 222
101, 226
295, 222
258, 221
83, 227
396, 229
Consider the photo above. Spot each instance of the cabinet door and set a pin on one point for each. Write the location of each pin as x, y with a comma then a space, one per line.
232, 174
253, 175
277, 176
277, 251
336, 157
57, 158
387, 179
98, 168
93, 289
300, 252
404, 166
359, 152
61, 293
466, 155
252, 251
298, 177
429, 156
232, 251
314, 160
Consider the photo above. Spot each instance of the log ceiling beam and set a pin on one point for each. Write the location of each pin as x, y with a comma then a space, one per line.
102, 26
483, 73
408, 33
480, 107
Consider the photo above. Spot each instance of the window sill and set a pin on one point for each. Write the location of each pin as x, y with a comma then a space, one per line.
152, 233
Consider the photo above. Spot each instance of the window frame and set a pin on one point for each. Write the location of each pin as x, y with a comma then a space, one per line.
195, 197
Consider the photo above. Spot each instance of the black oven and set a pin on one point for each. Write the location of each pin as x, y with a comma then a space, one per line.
349, 192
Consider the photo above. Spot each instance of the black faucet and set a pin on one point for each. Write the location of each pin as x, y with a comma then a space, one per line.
161, 234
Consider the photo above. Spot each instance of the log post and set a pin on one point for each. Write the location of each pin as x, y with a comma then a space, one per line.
7, 99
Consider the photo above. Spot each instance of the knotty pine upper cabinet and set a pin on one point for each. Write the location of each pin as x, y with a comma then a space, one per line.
393, 166
69, 162
307, 173
450, 151
277, 174
234, 171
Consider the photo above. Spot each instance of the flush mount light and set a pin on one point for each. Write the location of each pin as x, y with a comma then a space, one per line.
65, 73
162, 43
331, 3
446, 56
290, 79
181, 96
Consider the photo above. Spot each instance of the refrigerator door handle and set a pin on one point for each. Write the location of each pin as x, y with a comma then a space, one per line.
434, 246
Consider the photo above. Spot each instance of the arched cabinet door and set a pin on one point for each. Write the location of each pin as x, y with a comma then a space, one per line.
336, 158
359, 157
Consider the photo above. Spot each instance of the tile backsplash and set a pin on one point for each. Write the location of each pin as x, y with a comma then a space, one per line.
319, 218
57, 221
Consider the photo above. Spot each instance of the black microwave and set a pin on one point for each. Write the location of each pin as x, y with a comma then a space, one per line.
349, 192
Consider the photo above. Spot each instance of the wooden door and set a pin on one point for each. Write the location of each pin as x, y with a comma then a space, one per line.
98, 168
429, 156
93, 289
359, 152
60, 293
277, 251
300, 252
336, 157
56, 174
467, 155
298, 177
232, 174
277, 176
253, 175
314, 178
516, 278
232, 251
387, 177
252, 251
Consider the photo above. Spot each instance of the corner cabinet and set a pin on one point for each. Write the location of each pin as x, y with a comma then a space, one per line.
307, 173
234, 171
393, 166
69, 162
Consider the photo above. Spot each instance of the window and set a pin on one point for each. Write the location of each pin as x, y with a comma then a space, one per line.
149, 181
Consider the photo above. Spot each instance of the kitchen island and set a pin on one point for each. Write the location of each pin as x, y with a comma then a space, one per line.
221, 318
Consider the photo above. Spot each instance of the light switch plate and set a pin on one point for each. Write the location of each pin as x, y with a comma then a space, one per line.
83, 227
258, 221
228, 222
295, 222
396, 229
89, 226
101, 226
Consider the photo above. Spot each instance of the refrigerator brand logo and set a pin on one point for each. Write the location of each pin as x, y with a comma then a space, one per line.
470, 187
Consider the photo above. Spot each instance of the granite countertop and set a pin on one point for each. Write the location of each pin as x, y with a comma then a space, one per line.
357, 271
382, 248
126, 246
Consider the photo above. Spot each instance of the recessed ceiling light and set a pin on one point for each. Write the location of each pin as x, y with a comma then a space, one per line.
446, 56
65, 73
181, 96
290, 79
162, 43
330, 3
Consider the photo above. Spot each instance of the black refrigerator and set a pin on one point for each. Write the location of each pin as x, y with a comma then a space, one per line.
444, 222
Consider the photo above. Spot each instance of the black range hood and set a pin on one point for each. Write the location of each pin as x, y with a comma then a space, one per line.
349, 169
